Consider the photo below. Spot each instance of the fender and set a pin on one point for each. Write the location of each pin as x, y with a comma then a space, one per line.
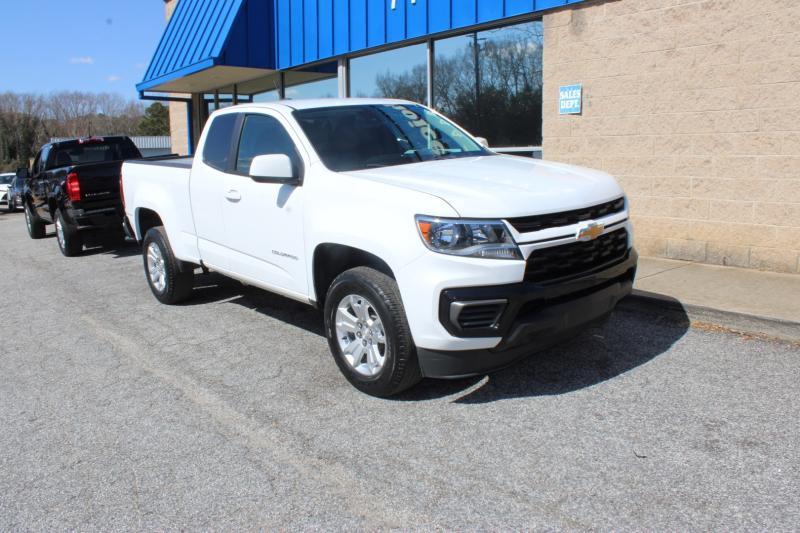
342, 210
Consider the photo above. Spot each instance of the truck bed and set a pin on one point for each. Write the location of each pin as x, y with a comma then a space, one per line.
162, 186
167, 161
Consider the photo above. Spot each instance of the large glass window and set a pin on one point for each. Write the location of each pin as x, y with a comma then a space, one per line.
490, 82
267, 96
400, 73
319, 81
371, 136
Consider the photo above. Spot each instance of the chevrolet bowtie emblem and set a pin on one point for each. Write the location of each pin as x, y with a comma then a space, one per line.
590, 232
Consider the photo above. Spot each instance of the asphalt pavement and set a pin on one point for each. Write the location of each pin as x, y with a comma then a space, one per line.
118, 413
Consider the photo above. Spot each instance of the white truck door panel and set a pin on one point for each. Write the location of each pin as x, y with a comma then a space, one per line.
264, 230
207, 191
264, 221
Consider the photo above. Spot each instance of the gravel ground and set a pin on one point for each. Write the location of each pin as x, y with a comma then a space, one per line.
119, 413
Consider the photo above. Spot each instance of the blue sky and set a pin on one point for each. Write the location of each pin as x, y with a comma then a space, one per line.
80, 45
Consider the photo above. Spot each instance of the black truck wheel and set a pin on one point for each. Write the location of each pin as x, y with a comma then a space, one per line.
368, 333
70, 241
170, 280
35, 225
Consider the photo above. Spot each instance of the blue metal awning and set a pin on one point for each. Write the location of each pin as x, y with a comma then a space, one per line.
209, 43
214, 44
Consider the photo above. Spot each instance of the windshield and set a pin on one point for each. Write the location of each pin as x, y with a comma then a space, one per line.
371, 136
5, 179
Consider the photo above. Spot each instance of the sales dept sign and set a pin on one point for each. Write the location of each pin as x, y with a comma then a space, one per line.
570, 100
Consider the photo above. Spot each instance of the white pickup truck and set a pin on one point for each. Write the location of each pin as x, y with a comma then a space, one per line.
431, 255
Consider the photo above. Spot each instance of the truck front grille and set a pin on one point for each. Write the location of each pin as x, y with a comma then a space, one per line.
574, 259
567, 218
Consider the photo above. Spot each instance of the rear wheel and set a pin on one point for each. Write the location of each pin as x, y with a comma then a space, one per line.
170, 280
70, 241
12, 205
368, 333
35, 224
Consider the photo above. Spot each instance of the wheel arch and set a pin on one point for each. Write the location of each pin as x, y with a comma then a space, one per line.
331, 259
146, 219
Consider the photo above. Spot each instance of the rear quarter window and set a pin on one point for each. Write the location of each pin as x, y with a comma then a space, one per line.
217, 149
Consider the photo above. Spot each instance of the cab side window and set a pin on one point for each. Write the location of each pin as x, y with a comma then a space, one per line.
35, 167
217, 149
41, 163
263, 135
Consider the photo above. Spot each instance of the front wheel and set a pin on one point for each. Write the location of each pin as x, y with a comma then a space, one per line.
70, 241
12, 205
35, 225
368, 333
170, 280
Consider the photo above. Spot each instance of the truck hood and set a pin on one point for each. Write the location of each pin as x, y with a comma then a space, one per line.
501, 186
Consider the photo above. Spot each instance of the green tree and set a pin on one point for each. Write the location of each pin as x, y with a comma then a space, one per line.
155, 121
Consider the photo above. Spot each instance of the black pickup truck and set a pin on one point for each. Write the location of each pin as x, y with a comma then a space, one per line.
74, 184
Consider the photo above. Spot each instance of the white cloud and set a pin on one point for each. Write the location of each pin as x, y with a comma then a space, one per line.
140, 66
85, 60
113, 78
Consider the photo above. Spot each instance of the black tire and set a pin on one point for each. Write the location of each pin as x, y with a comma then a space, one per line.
178, 276
400, 369
12, 206
69, 239
35, 225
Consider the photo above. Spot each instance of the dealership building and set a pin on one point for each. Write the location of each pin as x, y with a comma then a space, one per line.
694, 105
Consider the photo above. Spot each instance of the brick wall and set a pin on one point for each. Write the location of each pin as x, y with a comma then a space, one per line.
178, 123
695, 106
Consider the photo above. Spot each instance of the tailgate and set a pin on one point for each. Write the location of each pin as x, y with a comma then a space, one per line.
99, 183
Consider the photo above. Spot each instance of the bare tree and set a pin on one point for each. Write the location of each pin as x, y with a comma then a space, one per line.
492, 86
27, 121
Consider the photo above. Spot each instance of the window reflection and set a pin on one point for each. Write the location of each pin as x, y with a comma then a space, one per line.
313, 82
267, 96
400, 73
490, 83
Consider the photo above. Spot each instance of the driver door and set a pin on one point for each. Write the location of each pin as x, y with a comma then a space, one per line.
264, 220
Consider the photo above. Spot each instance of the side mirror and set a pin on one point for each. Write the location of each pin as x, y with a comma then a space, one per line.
272, 167
482, 141
22, 173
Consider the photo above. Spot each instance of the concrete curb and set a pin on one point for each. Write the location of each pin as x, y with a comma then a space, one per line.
759, 325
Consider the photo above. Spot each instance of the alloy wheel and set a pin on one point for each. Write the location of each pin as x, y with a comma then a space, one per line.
361, 335
60, 233
156, 267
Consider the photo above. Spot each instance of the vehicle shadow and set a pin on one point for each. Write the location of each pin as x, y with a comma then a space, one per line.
636, 333
213, 287
116, 250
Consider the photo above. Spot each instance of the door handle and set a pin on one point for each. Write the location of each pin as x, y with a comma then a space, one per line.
233, 195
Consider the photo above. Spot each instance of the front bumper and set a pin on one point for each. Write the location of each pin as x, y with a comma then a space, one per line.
534, 318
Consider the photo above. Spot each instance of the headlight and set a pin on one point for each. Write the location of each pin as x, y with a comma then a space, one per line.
468, 238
